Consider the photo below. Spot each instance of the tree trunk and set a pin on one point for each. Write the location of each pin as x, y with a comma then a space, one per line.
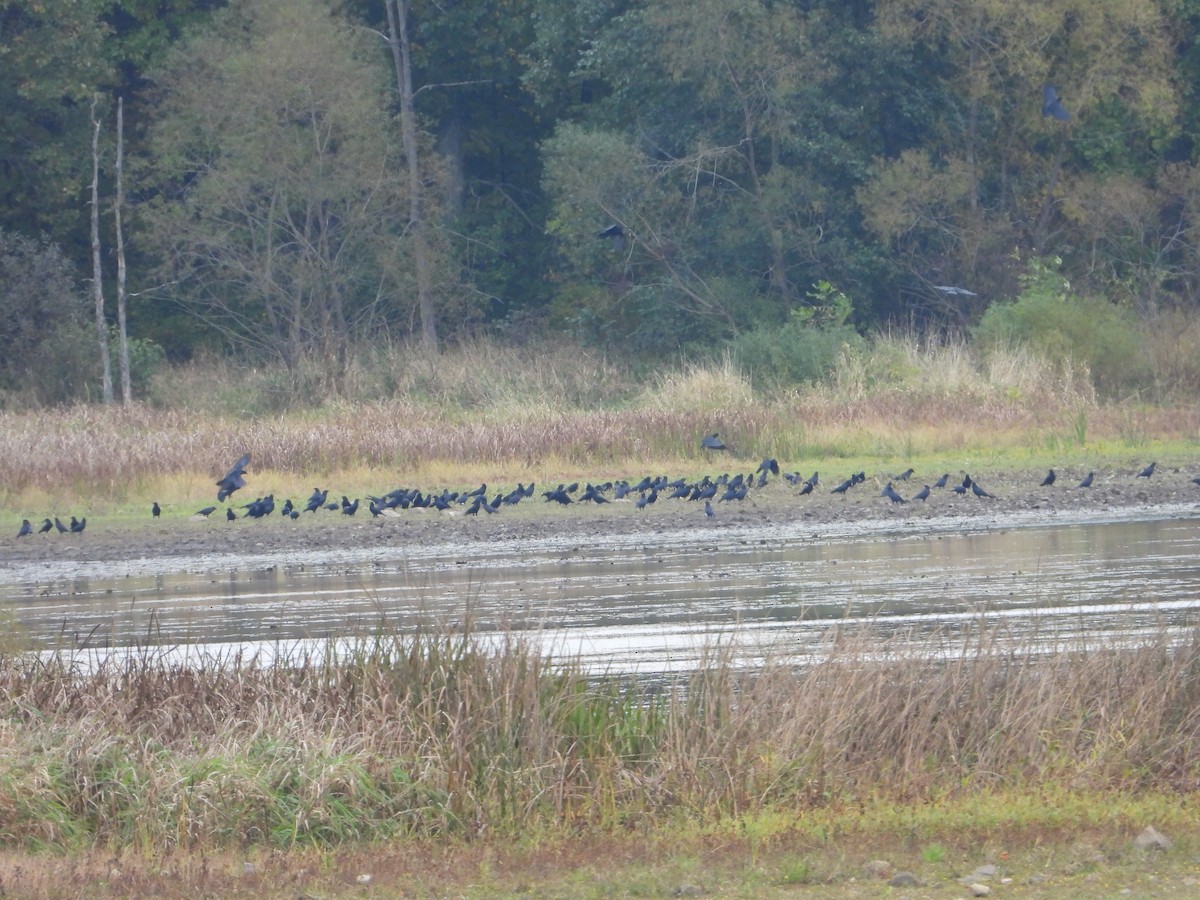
397, 11
122, 333
97, 286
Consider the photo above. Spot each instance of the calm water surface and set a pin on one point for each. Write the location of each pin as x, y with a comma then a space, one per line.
648, 602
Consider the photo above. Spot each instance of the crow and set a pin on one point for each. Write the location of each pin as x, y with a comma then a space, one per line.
1052, 105
712, 442
59, 526
614, 233
234, 479
942, 482
348, 508
287, 507
156, 510
905, 475
1087, 482
230, 515
77, 525
1049, 479
317, 500
558, 495
922, 494
844, 486
1148, 471
708, 510
768, 465
806, 489
26, 529
206, 512
890, 493
46, 526
647, 499
978, 491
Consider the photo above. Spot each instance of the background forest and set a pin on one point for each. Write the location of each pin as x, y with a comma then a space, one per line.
329, 193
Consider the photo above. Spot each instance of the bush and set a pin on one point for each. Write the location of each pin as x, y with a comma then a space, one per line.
806, 347
1071, 328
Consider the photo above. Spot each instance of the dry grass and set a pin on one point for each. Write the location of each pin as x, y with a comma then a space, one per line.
513, 411
445, 733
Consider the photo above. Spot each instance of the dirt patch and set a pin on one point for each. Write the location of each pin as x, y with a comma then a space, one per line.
1018, 500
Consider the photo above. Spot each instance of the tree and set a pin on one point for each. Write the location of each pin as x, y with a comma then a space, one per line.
43, 325
992, 176
282, 194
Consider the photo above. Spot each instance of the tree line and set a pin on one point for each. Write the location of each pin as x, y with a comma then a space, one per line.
306, 178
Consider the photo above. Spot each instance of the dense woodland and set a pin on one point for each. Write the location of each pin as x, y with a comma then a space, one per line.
309, 181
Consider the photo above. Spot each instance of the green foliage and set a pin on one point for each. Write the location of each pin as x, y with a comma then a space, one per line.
1063, 325
49, 349
806, 348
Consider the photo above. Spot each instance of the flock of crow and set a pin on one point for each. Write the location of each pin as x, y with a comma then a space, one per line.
723, 488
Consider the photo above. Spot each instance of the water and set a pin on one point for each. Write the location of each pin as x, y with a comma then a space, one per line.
649, 603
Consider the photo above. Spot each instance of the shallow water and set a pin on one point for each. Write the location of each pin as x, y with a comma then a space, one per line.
649, 602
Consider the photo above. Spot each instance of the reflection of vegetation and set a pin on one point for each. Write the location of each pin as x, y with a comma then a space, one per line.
451, 732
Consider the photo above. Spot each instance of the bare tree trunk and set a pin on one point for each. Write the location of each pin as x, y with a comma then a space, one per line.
122, 334
397, 11
97, 286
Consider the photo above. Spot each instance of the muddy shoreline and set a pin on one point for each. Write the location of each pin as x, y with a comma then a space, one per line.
1019, 500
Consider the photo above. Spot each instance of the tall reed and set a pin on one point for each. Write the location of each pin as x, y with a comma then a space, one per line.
453, 732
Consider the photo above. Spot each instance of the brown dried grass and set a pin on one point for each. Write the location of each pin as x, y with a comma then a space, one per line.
496, 408
446, 732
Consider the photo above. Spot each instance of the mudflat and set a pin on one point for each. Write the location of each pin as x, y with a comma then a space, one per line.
1018, 497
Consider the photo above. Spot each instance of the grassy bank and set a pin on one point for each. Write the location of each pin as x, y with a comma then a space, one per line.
488, 413
444, 735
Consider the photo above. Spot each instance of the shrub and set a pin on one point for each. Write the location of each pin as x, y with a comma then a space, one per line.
1070, 328
806, 348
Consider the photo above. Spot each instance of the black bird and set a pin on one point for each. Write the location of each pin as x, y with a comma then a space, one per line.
905, 475
593, 493
1148, 471
234, 479
287, 507
59, 526
614, 233
1049, 479
712, 442
1087, 482
844, 486
156, 510
77, 525
317, 500
952, 291
922, 494
978, 491
708, 510
768, 465
230, 515
46, 526
206, 512
1052, 105
961, 489
26, 528
1196, 480
858, 477
558, 495
941, 482
806, 489
348, 508
890, 493
647, 499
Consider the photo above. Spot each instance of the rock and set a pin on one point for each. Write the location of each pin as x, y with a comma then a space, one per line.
904, 879
688, 890
1152, 839
878, 868
984, 873
979, 890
